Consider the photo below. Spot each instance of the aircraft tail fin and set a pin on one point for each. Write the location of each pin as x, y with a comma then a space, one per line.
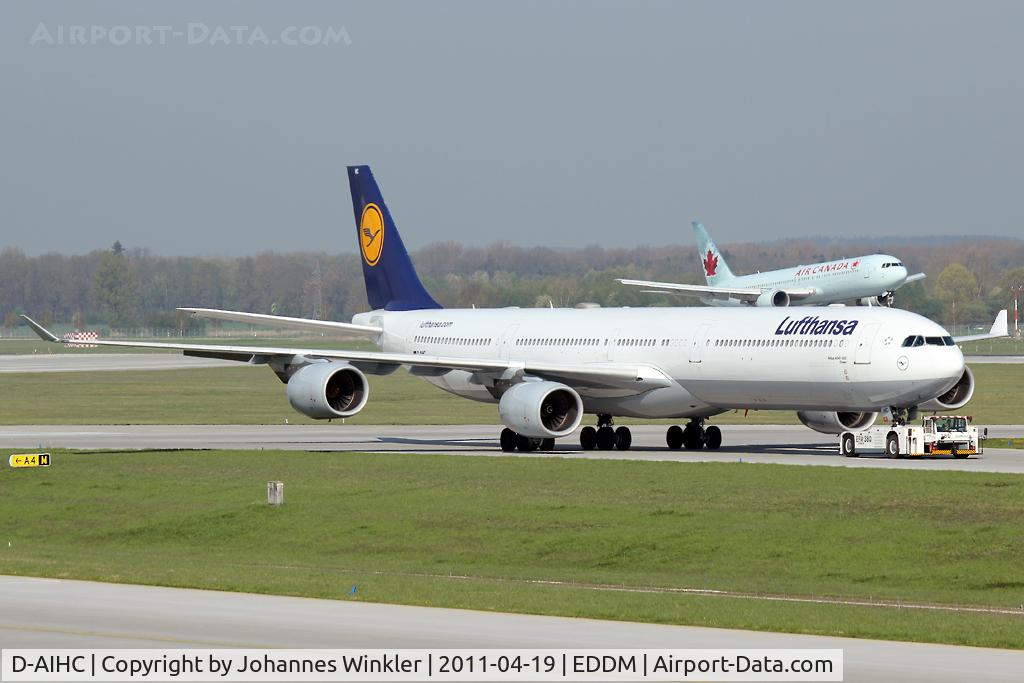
716, 270
391, 280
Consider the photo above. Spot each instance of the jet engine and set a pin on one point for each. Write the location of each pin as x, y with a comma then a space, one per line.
773, 298
836, 423
541, 410
955, 397
328, 390
885, 299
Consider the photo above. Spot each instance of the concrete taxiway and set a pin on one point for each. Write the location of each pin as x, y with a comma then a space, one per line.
781, 444
44, 613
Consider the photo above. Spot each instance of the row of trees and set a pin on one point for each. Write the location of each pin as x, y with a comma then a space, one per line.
118, 288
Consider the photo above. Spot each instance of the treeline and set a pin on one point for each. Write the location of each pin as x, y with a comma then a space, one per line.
968, 279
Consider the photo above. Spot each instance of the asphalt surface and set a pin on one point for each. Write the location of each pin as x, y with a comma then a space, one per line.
43, 613
781, 444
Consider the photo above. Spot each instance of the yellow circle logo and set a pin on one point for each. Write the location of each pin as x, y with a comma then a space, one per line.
371, 234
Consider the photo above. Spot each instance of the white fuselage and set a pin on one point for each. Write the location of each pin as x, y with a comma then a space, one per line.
718, 358
832, 281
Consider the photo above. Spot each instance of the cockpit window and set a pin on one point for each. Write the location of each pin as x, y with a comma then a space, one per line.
914, 340
935, 341
949, 341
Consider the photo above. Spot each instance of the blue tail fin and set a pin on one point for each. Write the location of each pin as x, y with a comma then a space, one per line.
391, 281
716, 270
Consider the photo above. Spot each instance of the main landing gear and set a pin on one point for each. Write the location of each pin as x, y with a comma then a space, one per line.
605, 437
511, 441
694, 436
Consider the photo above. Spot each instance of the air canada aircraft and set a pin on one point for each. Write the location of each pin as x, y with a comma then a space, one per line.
546, 368
864, 280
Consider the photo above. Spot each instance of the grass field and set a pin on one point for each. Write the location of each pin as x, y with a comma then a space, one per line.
1017, 442
996, 347
473, 532
253, 395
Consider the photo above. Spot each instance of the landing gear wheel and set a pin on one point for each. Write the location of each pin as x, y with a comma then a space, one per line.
693, 437
892, 446
846, 446
712, 438
674, 437
547, 444
508, 440
588, 438
605, 439
525, 444
623, 438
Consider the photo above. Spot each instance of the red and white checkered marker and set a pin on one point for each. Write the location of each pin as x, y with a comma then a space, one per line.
74, 340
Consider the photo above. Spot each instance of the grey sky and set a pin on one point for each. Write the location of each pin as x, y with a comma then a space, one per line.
559, 124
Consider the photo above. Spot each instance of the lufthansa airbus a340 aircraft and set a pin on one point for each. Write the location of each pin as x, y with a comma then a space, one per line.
545, 368
864, 280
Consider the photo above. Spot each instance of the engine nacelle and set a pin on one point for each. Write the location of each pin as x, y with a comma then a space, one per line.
777, 297
541, 409
836, 423
955, 397
885, 299
328, 390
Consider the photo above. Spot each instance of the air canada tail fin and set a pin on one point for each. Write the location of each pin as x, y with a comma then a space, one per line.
715, 268
391, 280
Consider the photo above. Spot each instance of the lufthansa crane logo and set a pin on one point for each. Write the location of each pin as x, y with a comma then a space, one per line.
371, 234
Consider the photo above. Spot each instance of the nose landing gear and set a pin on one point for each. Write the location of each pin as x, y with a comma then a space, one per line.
694, 436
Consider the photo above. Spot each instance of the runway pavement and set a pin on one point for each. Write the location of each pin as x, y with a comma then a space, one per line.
41, 613
82, 362
782, 444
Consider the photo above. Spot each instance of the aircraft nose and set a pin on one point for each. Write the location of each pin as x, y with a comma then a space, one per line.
951, 363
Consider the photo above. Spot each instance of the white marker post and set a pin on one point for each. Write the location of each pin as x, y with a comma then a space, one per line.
275, 493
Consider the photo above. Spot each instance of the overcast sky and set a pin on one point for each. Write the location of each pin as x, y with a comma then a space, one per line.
561, 124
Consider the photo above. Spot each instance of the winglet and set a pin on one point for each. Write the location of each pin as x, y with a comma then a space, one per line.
1000, 328
43, 333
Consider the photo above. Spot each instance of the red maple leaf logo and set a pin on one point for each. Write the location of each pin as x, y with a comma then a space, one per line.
856, 263
710, 263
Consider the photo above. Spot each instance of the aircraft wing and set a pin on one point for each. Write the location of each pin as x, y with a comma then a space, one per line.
747, 294
283, 321
638, 378
743, 293
999, 329
914, 278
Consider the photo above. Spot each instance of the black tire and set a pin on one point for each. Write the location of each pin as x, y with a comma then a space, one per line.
508, 440
847, 446
588, 438
605, 439
547, 444
674, 437
526, 444
623, 438
713, 438
693, 438
892, 445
